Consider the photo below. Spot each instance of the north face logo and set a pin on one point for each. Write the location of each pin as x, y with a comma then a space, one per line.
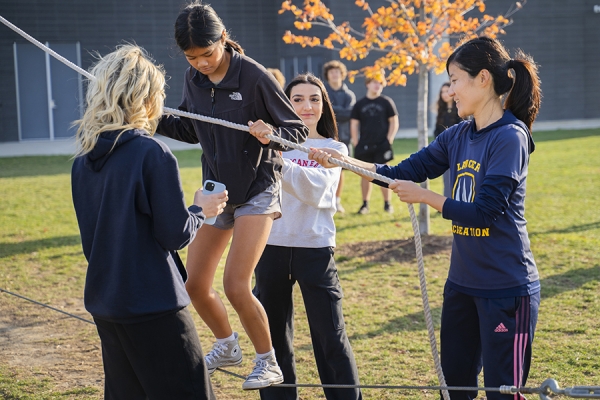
235, 96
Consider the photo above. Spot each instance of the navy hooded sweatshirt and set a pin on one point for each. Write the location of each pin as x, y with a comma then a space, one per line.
491, 254
132, 218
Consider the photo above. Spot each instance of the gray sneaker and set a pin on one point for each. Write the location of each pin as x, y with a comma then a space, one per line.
265, 373
224, 355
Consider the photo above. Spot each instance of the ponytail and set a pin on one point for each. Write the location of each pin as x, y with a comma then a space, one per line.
234, 45
523, 84
525, 96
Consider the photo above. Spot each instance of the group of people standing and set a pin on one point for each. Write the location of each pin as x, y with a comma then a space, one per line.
277, 213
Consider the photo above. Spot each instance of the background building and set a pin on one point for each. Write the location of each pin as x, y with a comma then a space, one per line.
40, 97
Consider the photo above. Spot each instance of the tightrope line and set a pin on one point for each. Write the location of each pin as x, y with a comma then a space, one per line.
549, 386
47, 306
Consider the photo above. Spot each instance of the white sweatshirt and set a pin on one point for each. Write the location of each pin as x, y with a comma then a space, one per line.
308, 199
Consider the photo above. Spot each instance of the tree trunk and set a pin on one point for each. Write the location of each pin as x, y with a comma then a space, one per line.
423, 140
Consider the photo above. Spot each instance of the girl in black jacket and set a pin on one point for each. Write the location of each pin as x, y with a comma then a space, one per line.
225, 84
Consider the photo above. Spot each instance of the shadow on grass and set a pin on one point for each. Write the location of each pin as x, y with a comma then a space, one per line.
551, 286
568, 281
14, 167
571, 229
564, 134
29, 246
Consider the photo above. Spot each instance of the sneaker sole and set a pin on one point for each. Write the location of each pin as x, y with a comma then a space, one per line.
232, 364
262, 384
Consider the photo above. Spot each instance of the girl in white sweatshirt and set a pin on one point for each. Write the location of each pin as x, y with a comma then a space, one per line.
300, 249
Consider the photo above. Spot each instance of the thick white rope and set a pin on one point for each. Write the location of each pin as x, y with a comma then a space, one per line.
287, 143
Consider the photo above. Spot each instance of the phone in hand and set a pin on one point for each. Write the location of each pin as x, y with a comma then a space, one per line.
211, 187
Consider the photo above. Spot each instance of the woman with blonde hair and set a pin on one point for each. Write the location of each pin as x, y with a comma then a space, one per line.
132, 218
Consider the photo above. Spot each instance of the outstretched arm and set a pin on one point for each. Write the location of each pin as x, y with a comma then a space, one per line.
323, 155
410, 192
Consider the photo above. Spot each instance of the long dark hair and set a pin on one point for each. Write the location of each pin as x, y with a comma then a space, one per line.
326, 127
442, 105
198, 25
522, 85
446, 117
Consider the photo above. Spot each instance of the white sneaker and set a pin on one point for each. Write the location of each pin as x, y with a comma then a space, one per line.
224, 355
266, 372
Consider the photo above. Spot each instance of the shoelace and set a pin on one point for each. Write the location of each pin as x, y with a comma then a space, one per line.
217, 350
259, 369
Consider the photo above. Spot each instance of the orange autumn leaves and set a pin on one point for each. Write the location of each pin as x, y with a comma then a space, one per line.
409, 34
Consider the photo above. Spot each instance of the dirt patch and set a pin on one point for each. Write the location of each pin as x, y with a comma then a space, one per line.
394, 250
39, 342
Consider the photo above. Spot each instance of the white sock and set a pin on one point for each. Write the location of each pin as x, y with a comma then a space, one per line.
227, 339
264, 356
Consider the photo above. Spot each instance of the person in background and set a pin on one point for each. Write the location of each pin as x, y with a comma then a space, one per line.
492, 294
342, 101
278, 76
447, 115
132, 218
373, 126
223, 83
300, 249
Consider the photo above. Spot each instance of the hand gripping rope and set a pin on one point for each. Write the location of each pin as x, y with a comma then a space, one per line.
549, 386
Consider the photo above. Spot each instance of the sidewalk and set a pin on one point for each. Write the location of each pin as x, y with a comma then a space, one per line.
67, 146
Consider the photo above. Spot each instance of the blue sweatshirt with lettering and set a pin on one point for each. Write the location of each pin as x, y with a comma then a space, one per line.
488, 169
132, 218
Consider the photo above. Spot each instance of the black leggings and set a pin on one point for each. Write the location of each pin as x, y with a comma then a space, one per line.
314, 269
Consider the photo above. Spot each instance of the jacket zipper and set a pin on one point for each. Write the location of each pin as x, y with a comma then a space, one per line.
212, 114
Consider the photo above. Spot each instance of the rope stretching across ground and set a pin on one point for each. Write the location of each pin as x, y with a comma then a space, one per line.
549, 386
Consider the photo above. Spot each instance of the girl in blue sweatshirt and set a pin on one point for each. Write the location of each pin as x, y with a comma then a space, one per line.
132, 217
492, 295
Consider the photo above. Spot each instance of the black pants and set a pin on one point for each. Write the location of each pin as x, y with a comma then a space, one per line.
493, 334
276, 273
156, 359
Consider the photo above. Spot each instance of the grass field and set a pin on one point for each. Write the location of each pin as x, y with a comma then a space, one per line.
41, 258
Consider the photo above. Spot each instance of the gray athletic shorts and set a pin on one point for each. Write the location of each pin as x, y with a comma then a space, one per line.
264, 203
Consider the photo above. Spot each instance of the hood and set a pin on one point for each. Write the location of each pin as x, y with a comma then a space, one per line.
106, 145
507, 119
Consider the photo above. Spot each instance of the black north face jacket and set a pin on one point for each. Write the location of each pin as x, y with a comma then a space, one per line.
234, 157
